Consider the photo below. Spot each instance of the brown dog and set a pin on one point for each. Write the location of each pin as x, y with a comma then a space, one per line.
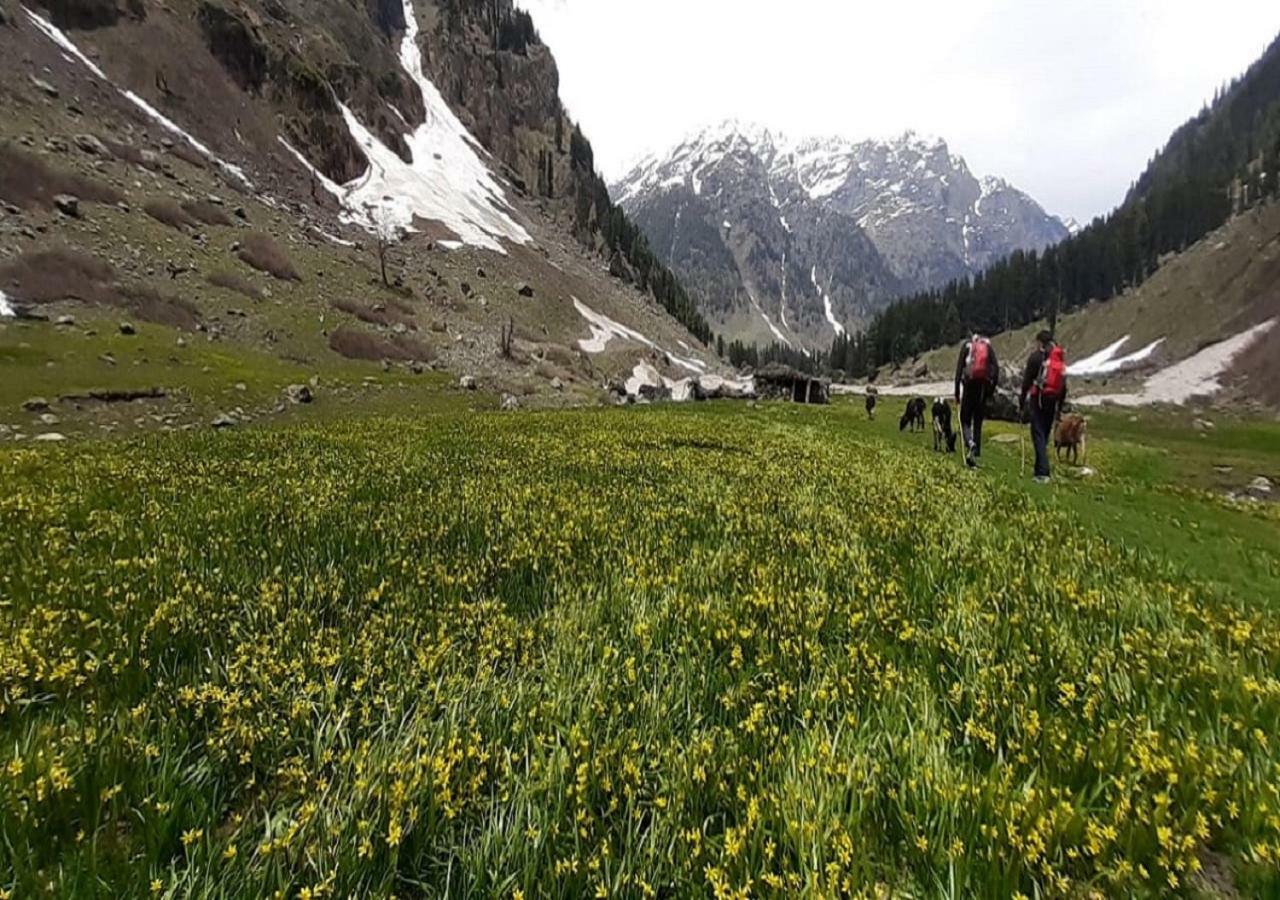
1071, 435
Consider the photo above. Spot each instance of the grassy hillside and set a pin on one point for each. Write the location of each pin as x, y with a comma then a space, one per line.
1224, 284
690, 651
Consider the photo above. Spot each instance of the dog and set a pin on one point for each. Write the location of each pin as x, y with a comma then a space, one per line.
871, 404
1071, 435
943, 436
914, 415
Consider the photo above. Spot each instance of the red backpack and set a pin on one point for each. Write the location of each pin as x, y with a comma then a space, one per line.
978, 366
1052, 382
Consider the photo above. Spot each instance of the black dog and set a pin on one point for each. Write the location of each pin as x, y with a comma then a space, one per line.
871, 405
914, 416
942, 433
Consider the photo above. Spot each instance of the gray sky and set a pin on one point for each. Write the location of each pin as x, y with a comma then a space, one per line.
1067, 99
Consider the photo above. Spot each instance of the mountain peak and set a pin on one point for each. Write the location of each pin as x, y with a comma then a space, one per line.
811, 235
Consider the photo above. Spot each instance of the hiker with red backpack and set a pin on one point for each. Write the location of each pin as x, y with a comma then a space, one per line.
1044, 384
977, 377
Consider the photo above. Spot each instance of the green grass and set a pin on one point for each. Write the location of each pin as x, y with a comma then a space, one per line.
669, 651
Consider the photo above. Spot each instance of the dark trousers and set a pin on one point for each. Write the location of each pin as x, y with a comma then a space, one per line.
1044, 411
973, 410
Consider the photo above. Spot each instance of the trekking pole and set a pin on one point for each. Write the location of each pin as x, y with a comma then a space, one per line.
1022, 452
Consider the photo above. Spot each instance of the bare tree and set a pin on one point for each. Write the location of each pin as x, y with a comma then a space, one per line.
387, 232
508, 338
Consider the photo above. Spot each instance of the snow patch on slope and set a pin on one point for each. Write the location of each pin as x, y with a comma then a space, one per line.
826, 302
1195, 376
1105, 360
446, 182
605, 329
54, 34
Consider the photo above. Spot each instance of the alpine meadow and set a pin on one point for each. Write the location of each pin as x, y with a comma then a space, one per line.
403, 496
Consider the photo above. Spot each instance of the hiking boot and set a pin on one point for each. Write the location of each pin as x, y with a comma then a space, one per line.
1041, 479
970, 461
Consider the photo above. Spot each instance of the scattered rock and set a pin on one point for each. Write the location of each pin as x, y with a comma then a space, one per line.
468, 383
1224, 470
43, 87
68, 205
182, 342
524, 289
1203, 425
65, 321
510, 402
56, 144
1261, 486
480, 273
35, 404
48, 419
224, 420
465, 288
557, 384
50, 436
416, 367
127, 328
298, 393
239, 213
241, 386
91, 145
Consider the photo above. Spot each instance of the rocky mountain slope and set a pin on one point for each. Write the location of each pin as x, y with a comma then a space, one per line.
795, 241
228, 177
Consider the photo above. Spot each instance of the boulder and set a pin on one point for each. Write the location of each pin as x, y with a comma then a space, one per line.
510, 402
65, 321
91, 145
50, 436
127, 328
35, 404
468, 383
1261, 486
224, 420
619, 267
1004, 407
68, 205
715, 387
524, 289
43, 87
298, 393
557, 384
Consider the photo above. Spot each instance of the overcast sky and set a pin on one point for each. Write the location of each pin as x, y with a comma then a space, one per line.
1067, 99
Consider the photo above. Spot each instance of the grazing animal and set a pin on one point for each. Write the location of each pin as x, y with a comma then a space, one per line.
914, 415
1071, 435
943, 435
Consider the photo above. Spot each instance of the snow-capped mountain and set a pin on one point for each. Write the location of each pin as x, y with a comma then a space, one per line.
797, 240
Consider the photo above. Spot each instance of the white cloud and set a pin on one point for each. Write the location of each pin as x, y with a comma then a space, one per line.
1066, 100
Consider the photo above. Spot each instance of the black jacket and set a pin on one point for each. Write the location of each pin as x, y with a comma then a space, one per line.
993, 366
1035, 362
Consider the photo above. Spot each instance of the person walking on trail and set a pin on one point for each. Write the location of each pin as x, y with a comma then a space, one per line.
1044, 385
977, 377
